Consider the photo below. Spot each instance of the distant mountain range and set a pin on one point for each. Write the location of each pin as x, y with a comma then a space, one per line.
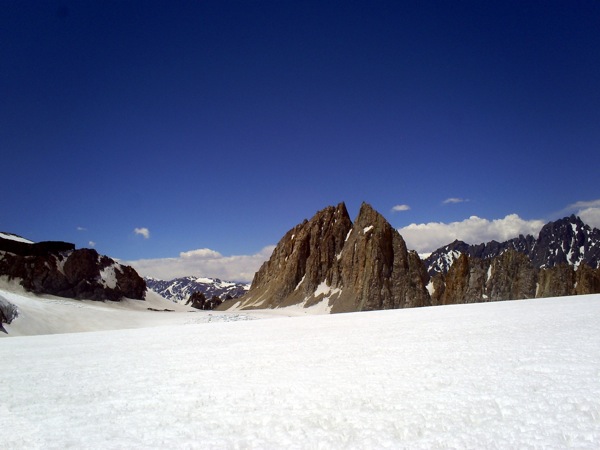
179, 290
336, 265
566, 241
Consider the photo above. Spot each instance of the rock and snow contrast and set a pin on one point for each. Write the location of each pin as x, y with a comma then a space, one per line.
348, 266
180, 289
57, 268
517, 374
345, 266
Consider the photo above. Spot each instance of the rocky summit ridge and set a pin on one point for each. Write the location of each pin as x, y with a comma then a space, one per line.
350, 266
57, 268
345, 266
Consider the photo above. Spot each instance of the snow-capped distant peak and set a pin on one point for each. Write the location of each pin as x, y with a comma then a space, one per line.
180, 289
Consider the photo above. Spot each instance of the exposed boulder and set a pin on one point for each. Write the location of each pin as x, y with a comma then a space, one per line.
199, 301
8, 312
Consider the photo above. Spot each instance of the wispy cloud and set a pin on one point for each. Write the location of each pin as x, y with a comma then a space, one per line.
92, 244
453, 200
203, 262
581, 205
399, 208
81, 229
588, 210
426, 237
143, 232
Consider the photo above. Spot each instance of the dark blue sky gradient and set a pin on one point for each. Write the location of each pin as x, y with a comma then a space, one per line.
222, 124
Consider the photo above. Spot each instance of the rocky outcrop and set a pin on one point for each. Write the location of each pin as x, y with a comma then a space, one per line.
587, 280
510, 276
556, 281
199, 301
8, 312
357, 266
465, 281
79, 274
376, 269
34, 248
442, 259
563, 260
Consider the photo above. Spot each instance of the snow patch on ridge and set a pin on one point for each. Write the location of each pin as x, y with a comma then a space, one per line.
109, 276
348, 235
14, 237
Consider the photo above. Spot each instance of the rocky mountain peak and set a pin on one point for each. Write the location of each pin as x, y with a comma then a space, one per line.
351, 266
304, 258
567, 241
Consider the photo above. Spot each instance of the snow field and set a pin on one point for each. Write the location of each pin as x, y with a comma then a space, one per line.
521, 374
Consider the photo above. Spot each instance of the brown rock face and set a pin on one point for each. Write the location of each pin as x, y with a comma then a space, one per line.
465, 281
587, 280
556, 281
376, 270
354, 267
509, 276
303, 259
80, 274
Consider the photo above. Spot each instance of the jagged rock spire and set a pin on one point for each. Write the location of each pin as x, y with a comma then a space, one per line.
353, 266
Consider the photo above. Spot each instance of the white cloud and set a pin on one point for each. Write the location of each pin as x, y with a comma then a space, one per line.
143, 232
453, 200
583, 205
81, 229
398, 208
201, 253
203, 262
427, 237
92, 244
590, 216
589, 211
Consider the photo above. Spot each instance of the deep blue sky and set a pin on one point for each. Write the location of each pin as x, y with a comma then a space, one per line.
222, 124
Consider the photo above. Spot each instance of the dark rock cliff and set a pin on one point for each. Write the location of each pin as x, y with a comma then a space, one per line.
56, 268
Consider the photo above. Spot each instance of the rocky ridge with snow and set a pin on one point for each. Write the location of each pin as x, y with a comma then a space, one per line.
563, 260
340, 265
566, 241
56, 268
331, 263
179, 290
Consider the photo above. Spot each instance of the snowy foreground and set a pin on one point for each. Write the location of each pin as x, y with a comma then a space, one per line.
522, 374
